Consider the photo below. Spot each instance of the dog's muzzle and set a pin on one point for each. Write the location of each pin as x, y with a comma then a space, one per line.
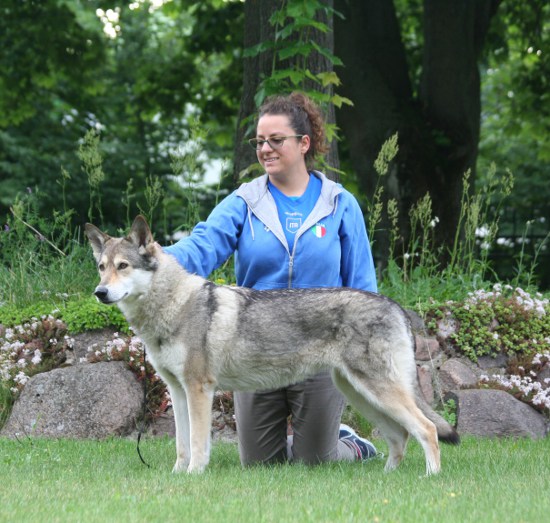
102, 293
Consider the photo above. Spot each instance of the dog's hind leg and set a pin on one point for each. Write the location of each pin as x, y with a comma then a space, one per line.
394, 434
200, 395
399, 405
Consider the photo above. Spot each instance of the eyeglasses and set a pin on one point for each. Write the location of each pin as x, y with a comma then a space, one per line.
275, 142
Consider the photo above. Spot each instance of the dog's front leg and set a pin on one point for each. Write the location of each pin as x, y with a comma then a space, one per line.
181, 417
199, 404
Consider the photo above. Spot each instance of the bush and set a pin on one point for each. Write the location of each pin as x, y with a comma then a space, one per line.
25, 350
487, 323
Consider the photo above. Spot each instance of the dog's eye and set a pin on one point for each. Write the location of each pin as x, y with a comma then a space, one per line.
101, 267
122, 266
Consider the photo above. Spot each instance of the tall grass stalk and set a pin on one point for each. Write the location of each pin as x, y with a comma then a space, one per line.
524, 269
59, 480
154, 194
92, 164
478, 222
185, 162
387, 153
416, 275
41, 260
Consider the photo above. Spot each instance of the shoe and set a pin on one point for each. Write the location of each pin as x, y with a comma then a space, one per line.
364, 448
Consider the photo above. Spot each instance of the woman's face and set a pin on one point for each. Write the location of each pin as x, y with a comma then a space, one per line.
287, 158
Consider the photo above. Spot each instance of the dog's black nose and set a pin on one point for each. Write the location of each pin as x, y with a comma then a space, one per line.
101, 293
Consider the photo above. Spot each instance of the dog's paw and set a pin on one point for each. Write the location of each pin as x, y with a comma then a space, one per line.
196, 467
180, 466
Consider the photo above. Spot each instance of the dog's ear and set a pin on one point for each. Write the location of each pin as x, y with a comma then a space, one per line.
140, 233
97, 239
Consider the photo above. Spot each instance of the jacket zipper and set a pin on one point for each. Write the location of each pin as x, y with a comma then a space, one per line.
291, 261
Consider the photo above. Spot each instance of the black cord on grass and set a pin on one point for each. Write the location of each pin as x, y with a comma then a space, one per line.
144, 413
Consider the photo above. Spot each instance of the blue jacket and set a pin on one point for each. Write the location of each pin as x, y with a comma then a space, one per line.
331, 248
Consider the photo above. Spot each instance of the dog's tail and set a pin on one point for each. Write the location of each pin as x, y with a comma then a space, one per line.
446, 433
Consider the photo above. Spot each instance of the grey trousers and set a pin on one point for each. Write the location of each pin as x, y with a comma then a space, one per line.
315, 406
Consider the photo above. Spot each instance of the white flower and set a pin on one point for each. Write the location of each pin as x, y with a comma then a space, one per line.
21, 378
37, 358
483, 231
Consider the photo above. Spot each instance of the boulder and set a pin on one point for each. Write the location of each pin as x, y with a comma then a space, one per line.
425, 380
417, 323
427, 349
493, 364
495, 413
454, 374
93, 339
84, 401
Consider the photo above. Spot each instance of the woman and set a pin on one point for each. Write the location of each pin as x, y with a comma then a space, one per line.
290, 228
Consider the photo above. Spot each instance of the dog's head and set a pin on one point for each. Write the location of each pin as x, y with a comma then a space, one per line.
126, 265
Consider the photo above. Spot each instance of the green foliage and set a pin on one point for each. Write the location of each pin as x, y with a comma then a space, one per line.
92, 164
487, 323
29, 68
514, 129
6, 402
295, 24
11, 315
41, 260
165, 65
387, 153
88, 314
422, 270
78, 313
449, 412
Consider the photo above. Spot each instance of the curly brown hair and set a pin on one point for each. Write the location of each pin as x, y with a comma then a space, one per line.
305, 118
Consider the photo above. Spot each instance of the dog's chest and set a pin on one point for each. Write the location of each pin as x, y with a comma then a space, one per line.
165, 354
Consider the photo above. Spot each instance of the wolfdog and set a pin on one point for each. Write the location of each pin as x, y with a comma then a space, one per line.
200, 336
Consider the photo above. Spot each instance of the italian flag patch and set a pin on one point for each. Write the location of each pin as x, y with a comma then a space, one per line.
319, 230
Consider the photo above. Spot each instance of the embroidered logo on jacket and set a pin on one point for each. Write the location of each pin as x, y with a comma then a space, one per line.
319, 230
293, 222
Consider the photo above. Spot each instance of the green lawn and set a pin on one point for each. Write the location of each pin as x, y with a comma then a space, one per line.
64, 480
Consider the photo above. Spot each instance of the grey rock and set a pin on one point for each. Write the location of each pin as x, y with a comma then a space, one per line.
496, 363
495, 413
417, 323
425, 380
427, 349
454, 374
84, 401
94, 339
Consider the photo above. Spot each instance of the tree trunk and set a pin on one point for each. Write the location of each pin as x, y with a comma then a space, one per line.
450, 98
439, 128
257, 30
